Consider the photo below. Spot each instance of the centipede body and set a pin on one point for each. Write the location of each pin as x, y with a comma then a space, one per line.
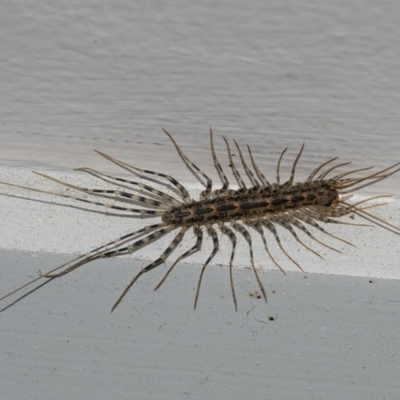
254, 207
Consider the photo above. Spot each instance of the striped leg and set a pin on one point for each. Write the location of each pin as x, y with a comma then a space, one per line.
138, 186
284, 221
228, 232
134, 170
197, 247
247, 237
193, 168
255, 225
270, 226
116, 249
291, 180
211, 231
278, 166
218, 167
316, 170
249, 173
115, 195
291, 219
81, 260
260, 175
306, 218
235, 172
174, 244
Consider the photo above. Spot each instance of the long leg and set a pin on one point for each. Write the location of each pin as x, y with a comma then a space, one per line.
119, 196
197, 247
294, 166
294, 221
235, 172
24, 295
316, 170
345, 208
362, 213
248, 171
116, 251
373, 178
228, 232
320, 216
217, 164
308, 219
181, 190
283, 221
255, 225
270, 226
193, 168
278, 166
247, 237
142, 213
85, 258
138, 186
113, 194
211, 231
260, 175
328, 171
343, 174
174, 244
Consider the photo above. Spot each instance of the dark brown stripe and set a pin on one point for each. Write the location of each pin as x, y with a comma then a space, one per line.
226, 207
297, 199
250, 205
278, 202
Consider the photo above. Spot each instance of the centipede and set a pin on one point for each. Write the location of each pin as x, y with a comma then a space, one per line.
253, 206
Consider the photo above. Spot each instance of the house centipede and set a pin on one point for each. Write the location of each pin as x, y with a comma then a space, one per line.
258, 205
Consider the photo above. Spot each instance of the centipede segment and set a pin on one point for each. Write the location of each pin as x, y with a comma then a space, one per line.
255, 207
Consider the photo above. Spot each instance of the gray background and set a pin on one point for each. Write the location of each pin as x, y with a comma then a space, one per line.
79, 76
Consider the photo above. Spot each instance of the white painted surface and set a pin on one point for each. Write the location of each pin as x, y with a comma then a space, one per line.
75, 77
42, 226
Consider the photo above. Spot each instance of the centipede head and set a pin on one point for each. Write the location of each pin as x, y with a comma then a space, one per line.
327, 195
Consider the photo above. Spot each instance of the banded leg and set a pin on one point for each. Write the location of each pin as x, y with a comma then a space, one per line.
150, 214
345, 208
193, 168
255, 225
270, 226
197, 247
343, 174
373, 178
235, 172
248, 171
228, 232
50, 275
180, 188
304, 216
291, 180
247, 237
106, 194
325, 173
160, 260
284, 223
370, 217
324, 218
218, 167
278, 166
138, 186
294, 220
260, 175
116, 251
211, 231
316, 170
